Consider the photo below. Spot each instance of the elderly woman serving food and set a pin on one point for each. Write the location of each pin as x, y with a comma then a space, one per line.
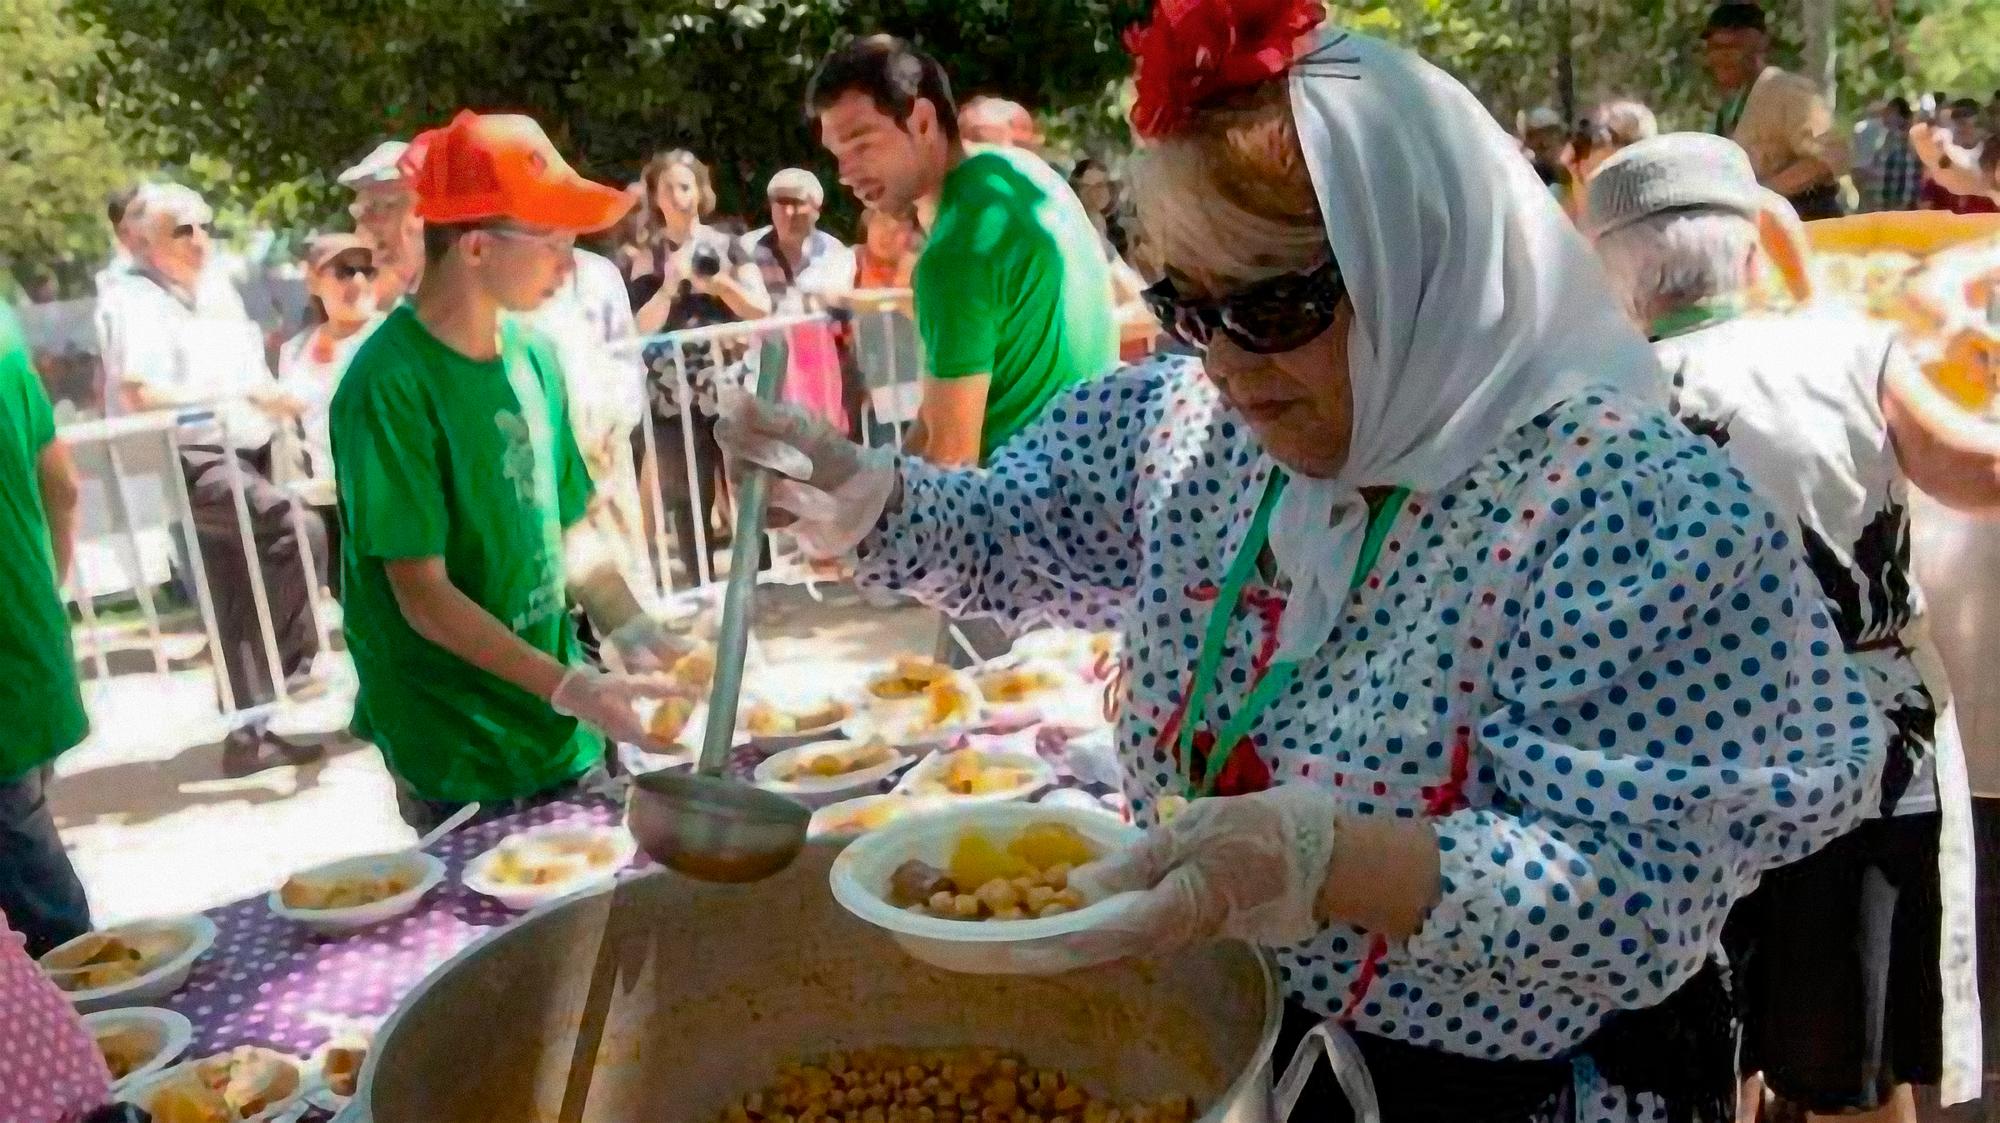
1508, 685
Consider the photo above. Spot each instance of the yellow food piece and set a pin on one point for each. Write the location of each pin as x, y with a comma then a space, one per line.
946, 704
1969, 372
188, 1101
976, 859
696, 669
669, 719
963, 771
1016, 685
991, 780
911, 677
766, 720
1043, 845
342, 893
840, 762
125, 1048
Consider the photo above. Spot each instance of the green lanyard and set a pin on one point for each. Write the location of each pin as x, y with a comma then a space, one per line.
1730, 112
1694, 317
1280, 673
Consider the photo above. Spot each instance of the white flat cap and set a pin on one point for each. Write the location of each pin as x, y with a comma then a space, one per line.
378, 166
1672, 172
800, 181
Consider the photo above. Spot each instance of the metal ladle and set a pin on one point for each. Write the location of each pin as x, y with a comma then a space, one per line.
698, 822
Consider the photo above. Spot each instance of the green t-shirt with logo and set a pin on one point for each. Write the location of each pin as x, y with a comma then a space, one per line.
439, 455
1013, 283
38, 690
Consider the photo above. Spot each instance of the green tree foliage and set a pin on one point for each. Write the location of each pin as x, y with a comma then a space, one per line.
286, 91
58, 156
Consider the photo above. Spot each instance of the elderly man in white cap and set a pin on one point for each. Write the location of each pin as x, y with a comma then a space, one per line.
1829, 417
802, 264
385, 215
171, 340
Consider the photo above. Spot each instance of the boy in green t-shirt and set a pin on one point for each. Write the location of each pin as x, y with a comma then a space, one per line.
1013, 293
460, 482
39, 890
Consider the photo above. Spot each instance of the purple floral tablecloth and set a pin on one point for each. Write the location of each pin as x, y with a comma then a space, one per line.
269, 981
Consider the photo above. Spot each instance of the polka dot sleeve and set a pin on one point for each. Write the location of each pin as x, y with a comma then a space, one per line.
50, 1069
1049, 533
1672, 718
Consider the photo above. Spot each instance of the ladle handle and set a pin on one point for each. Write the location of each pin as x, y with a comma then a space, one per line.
740, 595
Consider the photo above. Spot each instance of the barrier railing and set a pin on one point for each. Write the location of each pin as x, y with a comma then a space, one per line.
138, 525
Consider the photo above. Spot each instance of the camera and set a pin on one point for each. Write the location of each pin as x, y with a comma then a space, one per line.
705, 261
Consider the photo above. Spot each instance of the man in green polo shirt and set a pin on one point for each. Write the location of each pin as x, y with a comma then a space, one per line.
1014, 299
461, 487
39, 891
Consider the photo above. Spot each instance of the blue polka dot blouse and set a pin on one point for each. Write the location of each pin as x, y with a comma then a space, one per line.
1598, 660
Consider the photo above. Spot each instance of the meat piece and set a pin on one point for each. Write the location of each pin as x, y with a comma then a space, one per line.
916, 882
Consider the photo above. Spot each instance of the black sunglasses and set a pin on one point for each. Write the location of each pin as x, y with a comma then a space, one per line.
349, 272
1266, 317
187, 229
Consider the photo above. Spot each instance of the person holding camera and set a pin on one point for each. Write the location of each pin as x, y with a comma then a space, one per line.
688, 275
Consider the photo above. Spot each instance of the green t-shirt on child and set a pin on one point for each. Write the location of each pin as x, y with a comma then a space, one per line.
1013, 283
439, 455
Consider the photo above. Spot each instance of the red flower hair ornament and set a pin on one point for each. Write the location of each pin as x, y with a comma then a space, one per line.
1194, 52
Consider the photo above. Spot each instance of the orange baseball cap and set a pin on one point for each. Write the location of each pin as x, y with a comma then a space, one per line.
493, 165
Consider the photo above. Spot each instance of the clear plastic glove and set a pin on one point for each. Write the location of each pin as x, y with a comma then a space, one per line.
1247, 867
832, 491
608, 703
644, 644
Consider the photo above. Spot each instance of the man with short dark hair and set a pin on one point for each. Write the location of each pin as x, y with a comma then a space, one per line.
460, 485
1780, 119
1013, 295
1013, 298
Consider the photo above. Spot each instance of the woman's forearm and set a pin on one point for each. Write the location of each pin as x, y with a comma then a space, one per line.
1383, 876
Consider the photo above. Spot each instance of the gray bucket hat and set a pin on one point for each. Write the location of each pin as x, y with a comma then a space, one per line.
1672, 172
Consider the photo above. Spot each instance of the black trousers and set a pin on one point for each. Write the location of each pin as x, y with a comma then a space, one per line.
280, 548
39, 890
673, 440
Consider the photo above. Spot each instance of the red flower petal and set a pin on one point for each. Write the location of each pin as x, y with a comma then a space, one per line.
1195, 51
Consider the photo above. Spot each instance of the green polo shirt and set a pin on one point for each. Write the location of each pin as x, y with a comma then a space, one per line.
38, 688
1013, 284
439, 455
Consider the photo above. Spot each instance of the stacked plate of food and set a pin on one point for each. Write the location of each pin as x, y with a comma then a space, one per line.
916, 703
131, 964
774, 723
352, 894
245, 1085
830, 771
977, 775
138, 1041
851, 818
536, 866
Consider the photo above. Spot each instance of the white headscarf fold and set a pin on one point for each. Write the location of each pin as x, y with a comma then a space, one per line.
1477, 306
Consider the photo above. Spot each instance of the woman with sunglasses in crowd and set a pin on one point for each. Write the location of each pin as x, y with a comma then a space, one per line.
1456, 672
341, 286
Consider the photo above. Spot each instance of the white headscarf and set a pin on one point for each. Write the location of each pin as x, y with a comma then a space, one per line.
1477, 306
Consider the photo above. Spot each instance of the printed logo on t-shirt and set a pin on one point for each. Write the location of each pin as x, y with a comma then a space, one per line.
518, 462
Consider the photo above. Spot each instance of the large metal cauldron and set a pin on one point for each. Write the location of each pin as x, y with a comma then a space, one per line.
719, 984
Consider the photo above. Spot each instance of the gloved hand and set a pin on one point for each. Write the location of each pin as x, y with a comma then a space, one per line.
833, 491
606, 701
644, 644
1247, 867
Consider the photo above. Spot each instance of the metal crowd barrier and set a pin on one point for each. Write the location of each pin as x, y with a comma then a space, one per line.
134, 499
136, 520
